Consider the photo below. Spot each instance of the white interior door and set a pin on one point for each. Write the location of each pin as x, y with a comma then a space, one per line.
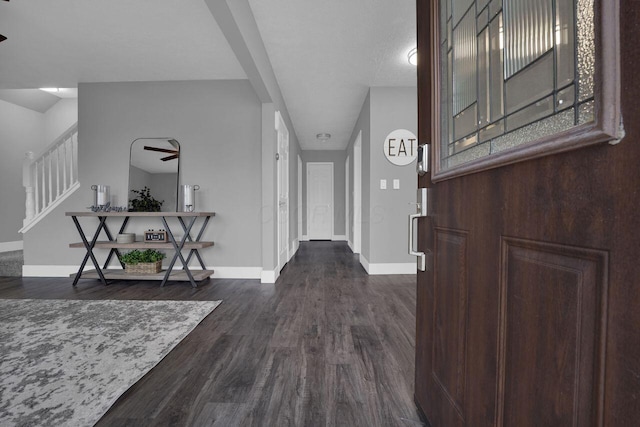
283, 190
299, 199
357, 194
347, 219
320, 201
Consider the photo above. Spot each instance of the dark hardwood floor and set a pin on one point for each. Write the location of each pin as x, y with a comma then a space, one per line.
326, 345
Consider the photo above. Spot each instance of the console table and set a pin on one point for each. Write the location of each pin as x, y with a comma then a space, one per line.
186, 220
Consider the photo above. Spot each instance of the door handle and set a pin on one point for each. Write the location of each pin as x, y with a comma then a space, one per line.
422, 259
422, 212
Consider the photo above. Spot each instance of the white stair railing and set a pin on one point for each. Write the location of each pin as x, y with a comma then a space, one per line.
50, 176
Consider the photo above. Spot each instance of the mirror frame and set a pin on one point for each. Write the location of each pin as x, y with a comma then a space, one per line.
172, 141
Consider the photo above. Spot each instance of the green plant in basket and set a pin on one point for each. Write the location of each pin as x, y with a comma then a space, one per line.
136, 256
144, 202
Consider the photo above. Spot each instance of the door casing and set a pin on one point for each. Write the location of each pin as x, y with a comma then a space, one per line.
282, 135
357, 194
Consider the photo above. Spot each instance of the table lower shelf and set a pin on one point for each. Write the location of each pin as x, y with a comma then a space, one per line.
176, 275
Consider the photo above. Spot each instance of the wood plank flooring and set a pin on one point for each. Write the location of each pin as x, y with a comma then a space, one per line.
326, 345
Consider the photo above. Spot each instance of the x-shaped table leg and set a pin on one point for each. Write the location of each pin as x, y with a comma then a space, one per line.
115, 250
195, 251
178, 249
89, 247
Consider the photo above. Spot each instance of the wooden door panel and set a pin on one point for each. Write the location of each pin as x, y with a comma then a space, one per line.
553, 300
556, 236
552, 269
450, 315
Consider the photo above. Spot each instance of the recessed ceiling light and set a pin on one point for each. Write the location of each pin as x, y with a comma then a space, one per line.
412, 56
323, 137
61, 92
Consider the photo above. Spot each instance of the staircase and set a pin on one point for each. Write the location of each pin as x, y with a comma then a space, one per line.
49, 177
11, 264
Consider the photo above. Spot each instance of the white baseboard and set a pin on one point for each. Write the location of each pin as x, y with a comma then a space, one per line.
374, 269
393, 268
66, 270
364, 262
269, 276
294, 248
334, 238
11, 246
49, 270
236, 272
350, 245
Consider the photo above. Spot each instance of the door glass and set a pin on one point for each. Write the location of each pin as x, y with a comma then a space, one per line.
512, 72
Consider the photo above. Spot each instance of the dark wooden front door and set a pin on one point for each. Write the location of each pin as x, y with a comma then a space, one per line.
529, 313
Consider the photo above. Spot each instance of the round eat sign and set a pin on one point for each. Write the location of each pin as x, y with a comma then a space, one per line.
401, 147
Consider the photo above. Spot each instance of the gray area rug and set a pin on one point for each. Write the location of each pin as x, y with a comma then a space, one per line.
64, 363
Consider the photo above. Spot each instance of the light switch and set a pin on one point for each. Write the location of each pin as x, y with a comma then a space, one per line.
383, 184
396, 184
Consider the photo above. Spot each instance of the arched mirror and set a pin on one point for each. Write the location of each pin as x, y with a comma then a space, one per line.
154, 169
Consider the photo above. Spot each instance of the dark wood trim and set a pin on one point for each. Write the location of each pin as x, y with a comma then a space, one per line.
607, 126
426, 83
421, 414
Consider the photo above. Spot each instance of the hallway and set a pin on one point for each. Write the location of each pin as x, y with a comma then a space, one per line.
325, 345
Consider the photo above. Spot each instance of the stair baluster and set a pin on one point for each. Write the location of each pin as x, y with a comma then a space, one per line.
50, 176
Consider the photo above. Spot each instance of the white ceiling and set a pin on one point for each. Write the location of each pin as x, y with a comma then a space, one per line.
33, 99
325, 54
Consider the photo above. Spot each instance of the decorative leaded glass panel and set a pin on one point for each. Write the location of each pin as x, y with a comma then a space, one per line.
460, 8
511, 72
464, 63
528, 32
530, 84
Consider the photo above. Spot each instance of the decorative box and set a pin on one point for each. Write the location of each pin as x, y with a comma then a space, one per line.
155, 236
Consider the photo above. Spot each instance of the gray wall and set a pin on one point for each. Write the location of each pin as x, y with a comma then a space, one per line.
384, 212
218, 125
21, 130
391, 108
338, 159
60, 117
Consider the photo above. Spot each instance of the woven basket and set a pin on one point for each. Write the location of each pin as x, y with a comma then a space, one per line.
143, 268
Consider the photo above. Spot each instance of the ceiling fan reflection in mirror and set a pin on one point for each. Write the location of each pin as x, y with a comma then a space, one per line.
174, 153
3, 38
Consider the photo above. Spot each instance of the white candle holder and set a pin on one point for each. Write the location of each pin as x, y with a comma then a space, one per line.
101, 196
188, 200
